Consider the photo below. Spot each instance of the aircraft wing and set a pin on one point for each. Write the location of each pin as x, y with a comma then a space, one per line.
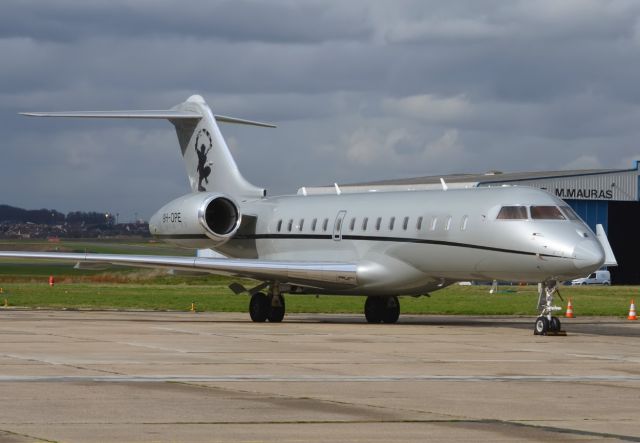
310, 274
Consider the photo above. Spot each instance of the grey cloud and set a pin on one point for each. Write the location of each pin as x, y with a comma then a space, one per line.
228, 20
360, 90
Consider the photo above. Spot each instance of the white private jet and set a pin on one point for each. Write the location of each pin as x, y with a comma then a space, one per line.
381, 245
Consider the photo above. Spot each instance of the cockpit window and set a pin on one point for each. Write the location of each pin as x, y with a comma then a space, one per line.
546, 213
513, 213
570, 213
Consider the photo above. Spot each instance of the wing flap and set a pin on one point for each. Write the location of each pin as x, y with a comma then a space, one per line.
313, 274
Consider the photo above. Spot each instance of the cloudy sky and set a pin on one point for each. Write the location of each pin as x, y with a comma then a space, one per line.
360, 90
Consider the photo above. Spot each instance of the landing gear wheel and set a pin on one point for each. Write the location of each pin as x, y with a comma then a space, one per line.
554, 324
391, 310
374, 309
276, 309
259, 307
542, 326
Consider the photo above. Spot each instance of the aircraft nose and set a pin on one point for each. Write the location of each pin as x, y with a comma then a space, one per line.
589, 255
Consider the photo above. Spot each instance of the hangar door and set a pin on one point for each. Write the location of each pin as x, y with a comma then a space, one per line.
624, 237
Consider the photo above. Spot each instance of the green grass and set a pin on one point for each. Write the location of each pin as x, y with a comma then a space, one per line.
25, 284
98, 246
215, 296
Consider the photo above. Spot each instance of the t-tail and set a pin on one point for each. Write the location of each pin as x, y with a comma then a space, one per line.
210, 165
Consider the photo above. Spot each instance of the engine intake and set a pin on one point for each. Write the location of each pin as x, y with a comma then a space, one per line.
220, 216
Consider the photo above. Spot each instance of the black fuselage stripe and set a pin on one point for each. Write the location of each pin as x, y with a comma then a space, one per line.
359, 237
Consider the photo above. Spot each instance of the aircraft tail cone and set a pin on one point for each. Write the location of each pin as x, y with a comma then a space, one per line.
569, 313
632, 311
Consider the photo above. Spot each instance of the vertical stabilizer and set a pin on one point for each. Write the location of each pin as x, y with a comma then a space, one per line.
209, 163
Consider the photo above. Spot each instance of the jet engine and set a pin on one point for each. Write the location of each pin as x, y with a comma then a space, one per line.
199, 220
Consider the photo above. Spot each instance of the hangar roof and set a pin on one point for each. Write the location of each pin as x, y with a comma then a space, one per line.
488, 177
584, 184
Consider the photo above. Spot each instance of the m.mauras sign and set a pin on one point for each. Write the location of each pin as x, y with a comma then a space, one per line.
582, 193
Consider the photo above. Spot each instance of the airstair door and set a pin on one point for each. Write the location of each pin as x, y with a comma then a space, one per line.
337, 227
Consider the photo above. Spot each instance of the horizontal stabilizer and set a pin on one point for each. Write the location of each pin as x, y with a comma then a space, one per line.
241, 121
609, 258
168, 114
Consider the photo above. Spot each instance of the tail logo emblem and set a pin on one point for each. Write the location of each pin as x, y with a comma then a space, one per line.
203, 147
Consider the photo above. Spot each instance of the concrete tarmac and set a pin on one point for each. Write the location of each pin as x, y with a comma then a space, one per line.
87, 376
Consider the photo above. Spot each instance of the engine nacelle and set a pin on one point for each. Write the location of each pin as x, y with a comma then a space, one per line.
199, 220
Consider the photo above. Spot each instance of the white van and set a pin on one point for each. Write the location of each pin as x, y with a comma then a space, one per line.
597, 278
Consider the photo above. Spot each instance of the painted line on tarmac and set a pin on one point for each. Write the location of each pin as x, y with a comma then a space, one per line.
315, 378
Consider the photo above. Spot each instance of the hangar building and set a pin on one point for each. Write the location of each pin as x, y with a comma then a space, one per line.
609, 197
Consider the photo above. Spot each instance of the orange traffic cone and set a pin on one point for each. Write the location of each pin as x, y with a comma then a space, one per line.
52, 280
569, 313
632, 311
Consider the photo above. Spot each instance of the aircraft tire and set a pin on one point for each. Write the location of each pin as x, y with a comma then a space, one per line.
554, 324
276, 313
391, 310
541, 326
259, 307
374, 309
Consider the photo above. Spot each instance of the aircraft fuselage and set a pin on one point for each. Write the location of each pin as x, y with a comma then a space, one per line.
414, 242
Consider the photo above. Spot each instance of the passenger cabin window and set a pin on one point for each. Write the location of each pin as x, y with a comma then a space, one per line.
392, 221
448, 225
378, 223
325, 223
546, 213
512, 213
463, 225
364, 223
290, 225
352, 225
301, 224
279, 228
405, 223
314, 222
434, 223
419, 223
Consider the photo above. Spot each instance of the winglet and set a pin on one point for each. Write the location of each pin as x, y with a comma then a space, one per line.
609, 258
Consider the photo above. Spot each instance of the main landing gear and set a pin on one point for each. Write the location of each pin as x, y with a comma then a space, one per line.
382, 309
263, 307
546, 322
270, 305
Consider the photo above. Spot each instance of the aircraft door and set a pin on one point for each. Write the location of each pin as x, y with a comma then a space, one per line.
337, 226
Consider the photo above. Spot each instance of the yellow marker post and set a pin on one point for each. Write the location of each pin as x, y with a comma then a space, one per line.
6, 303
193, 307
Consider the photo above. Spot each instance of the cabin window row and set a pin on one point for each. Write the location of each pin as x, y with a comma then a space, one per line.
322, 225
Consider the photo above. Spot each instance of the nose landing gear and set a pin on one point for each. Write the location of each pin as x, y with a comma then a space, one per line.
547, 323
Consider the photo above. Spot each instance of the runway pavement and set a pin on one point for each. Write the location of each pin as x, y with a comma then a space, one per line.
87, 376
